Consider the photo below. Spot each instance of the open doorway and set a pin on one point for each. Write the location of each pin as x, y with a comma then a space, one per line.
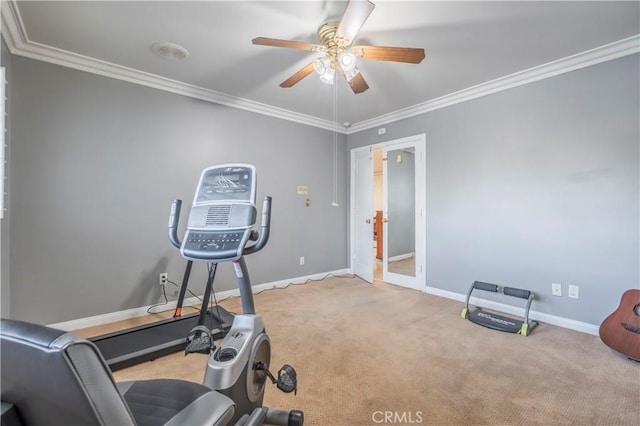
378, 214
388, 240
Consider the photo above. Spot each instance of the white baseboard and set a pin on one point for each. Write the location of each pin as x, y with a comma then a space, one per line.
514, 310
92, 321
489, 304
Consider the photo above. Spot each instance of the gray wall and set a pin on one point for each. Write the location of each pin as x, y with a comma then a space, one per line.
536, 185
96, 164
526, 187
401, 201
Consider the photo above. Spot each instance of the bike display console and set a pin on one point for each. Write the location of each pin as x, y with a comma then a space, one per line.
222, 214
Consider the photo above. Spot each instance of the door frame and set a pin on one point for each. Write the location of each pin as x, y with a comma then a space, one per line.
421, 224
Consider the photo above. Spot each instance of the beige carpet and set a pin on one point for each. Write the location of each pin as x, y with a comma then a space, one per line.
362, 350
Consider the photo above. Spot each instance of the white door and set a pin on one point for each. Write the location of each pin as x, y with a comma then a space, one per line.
403, 198
362, 212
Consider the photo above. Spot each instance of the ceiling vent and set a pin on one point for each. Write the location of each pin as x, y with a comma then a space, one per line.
170, 51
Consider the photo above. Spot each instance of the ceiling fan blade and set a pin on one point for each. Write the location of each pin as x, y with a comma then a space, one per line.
353, 18
265, 41
298, 76
394, 54
357, 82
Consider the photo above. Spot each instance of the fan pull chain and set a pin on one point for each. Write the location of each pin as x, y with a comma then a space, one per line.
334, 201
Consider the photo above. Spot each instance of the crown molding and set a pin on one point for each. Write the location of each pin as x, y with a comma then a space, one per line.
12, 27
18, 43
608, 52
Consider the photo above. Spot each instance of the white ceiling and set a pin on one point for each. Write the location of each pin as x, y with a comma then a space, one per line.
466, 44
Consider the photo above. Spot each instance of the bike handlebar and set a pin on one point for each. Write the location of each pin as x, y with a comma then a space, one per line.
174, 218
266, 224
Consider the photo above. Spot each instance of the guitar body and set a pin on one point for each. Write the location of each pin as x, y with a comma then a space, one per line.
621, 330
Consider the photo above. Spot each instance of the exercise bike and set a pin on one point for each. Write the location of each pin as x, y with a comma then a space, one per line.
219, 230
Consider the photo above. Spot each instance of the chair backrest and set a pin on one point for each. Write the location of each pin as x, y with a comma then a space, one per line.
56, 377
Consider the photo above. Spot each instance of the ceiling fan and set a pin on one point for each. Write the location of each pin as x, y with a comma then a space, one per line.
336, 42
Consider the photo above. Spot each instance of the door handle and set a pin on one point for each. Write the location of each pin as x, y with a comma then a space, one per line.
368, 220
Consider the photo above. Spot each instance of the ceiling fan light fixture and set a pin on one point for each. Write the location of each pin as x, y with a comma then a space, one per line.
329, 76
321, 65
347, 61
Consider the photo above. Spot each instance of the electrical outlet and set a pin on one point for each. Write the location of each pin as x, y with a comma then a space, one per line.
556, 289
574, 291
163, 278
301, 260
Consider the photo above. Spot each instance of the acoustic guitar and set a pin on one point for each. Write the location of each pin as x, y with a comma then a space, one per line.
621, 330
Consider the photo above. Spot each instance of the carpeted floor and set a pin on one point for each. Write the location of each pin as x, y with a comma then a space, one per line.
380, 354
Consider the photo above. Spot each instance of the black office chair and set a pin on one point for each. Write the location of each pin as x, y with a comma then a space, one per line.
52, 377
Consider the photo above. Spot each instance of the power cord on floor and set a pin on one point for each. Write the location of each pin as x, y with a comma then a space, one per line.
166, 300
216, 302
306, 282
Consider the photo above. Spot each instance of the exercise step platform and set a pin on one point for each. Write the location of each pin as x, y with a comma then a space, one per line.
497, 321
